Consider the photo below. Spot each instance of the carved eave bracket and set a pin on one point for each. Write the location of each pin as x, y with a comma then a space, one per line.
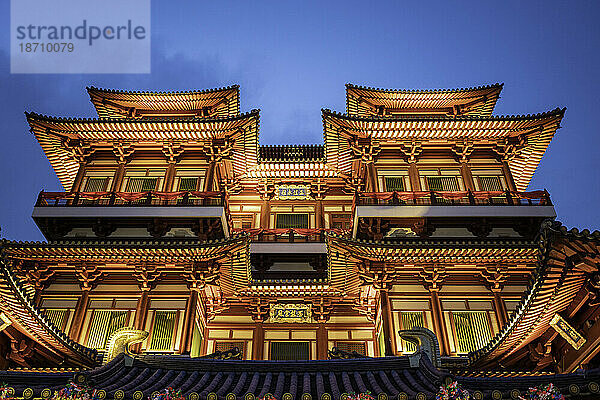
200, 274
172, 152
463, 151
318, 189
379, 277
433, 277
259, 309
266, 190
147, 276
510, 149
411, 150
321, 309
88, 276
218, 149
78, 150
495, 276
215, 306
366, 151
123, 151
231, 186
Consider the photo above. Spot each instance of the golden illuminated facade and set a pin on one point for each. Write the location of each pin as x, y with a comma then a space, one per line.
413, 213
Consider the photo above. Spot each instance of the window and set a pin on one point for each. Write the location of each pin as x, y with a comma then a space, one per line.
340, 221
58, 317
287, 221
349, 347
394, 183
290, 351
104, 323
490, 183
442, 183
409, 320
225, 346
472, 330
188, 183
95, 185
162, 331
141, 184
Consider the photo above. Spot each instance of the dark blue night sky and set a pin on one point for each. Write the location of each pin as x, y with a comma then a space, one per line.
293, 58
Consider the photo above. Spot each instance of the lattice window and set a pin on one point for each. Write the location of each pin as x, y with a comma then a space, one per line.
95, 185
472, 330
225, 346
290, 351
490, 183
287, 221
409, 320
340, 221
188, 184
58, 317
394, 184
349, 347
442, 183
162, 331
141, 184
104, 323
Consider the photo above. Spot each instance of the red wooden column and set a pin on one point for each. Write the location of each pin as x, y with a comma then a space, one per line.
79, 315
388, 324
499, 308
321, 341
258, 342
467, 177
188, 323
413, 176
439, 325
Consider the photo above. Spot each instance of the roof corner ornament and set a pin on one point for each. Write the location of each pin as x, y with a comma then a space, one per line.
425, 341
121, 341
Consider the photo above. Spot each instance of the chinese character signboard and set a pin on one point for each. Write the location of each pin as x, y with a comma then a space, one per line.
565, 330
292, 192
295, 313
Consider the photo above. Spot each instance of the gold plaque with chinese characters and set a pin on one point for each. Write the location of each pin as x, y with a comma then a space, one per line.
286, 313
292, 192
568, 333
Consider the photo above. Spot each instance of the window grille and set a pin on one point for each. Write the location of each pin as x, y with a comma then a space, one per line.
349, 347
225, 346
57, 317
410, 319
290, 351
162, 331
141, 184
104, 324
188, 184
490, 183
394, 184
472, 330
95, 185
287, 221
340, 221
442, 183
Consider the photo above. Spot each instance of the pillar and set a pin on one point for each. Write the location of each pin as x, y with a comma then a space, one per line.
209, 185
439, 325
467, 177
371, 178
321, 342
76, 187
319, 222
79, 315
388, 324
118, 178
413, 176
265, 214
188, 323
500, 309
141, 313
169, 178
508, 176
258, 342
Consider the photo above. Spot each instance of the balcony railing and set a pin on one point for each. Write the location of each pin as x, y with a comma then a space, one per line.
292, 235
458, 198
133, 199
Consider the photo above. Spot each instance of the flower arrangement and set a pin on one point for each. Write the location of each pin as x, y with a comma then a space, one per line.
360, 396
74, 391
452, 391
543, 392
167, 394
6, 393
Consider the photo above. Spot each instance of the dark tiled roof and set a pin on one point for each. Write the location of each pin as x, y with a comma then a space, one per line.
215, 379
291, 153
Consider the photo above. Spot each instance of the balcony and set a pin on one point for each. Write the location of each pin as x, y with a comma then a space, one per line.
450, 209
202, 214
292, 240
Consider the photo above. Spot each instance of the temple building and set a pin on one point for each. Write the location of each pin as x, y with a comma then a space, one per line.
404, 252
